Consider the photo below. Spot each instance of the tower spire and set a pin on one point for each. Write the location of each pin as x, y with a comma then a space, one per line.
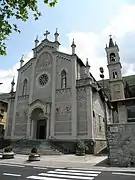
12, 85
111, 44
21, 61
36, 41
56, 35
73, 47
87, 68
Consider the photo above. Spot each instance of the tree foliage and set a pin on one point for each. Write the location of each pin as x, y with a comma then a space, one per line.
18, 10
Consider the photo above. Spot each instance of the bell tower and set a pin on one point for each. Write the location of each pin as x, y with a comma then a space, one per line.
114, 68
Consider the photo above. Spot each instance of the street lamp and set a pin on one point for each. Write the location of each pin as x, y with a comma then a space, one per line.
105, 114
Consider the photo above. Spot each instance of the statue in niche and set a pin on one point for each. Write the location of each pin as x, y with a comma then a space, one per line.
112, 57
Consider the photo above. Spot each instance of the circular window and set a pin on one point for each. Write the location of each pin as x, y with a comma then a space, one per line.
43, 79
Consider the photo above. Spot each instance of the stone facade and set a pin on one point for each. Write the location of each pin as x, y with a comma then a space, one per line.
122, 144
56, 98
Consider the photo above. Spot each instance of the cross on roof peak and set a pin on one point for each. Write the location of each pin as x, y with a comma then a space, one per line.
46, 34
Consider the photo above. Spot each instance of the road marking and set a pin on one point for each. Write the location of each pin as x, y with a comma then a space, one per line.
44, 178
66, 176
8, 174
39, 168
125, 174
72, 173
15, 165
80, 171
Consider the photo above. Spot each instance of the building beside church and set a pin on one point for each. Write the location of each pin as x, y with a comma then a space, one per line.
120, 90
57, 98
3, 116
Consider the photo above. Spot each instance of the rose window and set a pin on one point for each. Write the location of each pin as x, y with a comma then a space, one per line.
43, 79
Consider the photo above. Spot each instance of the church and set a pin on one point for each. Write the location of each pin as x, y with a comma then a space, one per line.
57, 98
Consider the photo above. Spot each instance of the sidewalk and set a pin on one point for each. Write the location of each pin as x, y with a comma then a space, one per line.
65, 161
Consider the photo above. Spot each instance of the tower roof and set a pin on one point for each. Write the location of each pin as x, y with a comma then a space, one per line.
111, 44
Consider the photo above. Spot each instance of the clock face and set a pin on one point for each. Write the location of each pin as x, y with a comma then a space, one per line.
43, 79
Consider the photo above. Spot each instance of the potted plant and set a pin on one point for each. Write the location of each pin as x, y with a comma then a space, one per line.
8, 153
34, 155
81, 148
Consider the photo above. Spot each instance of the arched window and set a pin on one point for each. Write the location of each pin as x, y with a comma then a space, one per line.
25, 87
112, 57
115, 75
63, 79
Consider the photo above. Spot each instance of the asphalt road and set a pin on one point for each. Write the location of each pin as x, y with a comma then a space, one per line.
16, 172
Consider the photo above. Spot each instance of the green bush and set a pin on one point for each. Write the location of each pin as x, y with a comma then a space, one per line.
81, 146
34, 150
8, 149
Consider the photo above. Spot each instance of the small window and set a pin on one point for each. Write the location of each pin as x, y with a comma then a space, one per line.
115, 75
25, 87
93, 113
63, 79
2, 111
131, 113
99, 117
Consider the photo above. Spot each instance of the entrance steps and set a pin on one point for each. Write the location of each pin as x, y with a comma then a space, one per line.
43, 146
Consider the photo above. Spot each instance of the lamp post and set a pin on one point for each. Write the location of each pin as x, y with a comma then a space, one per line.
104, 104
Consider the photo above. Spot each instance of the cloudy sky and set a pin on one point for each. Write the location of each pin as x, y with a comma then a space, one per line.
88, 22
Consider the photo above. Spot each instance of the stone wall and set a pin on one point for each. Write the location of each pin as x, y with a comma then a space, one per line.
21, 117
122, 144
98, 116
82, 126
63, 113
44, 65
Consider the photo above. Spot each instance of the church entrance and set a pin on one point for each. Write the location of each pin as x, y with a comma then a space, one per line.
39, 124
41, 129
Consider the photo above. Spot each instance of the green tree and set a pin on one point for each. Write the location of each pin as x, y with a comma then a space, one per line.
18, 10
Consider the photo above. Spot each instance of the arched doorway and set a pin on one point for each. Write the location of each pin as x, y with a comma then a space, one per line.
39, 124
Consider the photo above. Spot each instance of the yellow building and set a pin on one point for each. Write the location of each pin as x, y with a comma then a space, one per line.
3, 116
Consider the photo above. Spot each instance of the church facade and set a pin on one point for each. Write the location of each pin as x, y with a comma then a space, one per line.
57, 98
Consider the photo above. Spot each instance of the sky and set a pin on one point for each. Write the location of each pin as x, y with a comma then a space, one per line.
89, 22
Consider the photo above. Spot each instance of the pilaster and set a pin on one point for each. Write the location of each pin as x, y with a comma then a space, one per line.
8, 113
74, 102
15, 106
31, 98
53, 97
32, 82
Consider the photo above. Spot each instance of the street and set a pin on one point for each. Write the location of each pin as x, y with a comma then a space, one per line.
22, 172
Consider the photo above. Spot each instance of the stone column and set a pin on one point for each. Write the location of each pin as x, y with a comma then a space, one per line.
74, 102
89, 113
53, 96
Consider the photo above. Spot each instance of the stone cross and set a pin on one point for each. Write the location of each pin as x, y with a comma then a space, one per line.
46, 34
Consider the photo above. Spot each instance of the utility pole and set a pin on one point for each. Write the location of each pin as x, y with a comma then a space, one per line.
104, 104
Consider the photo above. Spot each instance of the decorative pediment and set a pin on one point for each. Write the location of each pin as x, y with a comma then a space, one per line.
37, 101
45, 106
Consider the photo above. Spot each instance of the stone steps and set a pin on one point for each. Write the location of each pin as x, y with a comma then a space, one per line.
43, 147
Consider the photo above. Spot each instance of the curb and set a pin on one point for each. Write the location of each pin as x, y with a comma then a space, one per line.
105, 169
